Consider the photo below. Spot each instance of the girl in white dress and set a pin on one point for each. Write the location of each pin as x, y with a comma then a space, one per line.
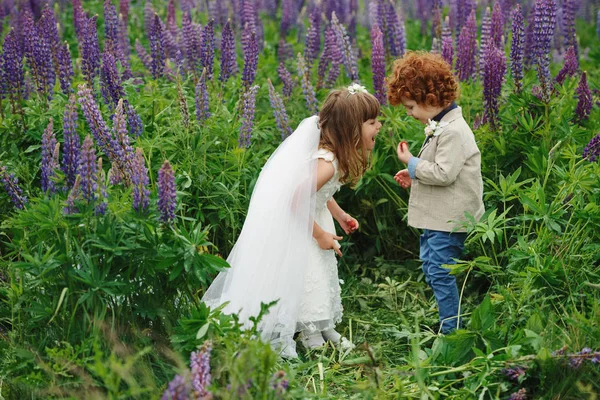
286, 251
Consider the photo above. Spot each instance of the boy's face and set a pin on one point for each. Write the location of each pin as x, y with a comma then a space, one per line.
420, 112
370, 129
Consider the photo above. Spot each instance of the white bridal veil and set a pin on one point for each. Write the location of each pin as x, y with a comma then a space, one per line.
268, 261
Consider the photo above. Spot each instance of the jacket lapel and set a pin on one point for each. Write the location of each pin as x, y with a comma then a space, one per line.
450, 117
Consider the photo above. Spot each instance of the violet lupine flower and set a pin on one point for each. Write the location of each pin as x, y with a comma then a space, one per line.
124, 10
486, 27
71, 144
122, 152
47, 28
592, 149
516, 49
49, 162
519, 395
111, 27
229, 65
178, 389
89, 50
38, 55
281, 116
279, 382
157, 49
93, 117
286, 79
148, 17
200, 366
167, 193
495, 68
78, 18
190, 41
134, 121
530, 41
65, 68
11, 68
514, 373
497, 26
140, 180
344, 44
584, 104
183, 107
88, 170
247, 117
143, 55
446, 29
207, 49
545, 23
248, 18
570, 66
325, 58
335, 56
378, 64
466, 49
313, 36
289, 12
216, 12
110, 80
395, 30
448, 50
250, 59
102, 204
11, 185
202, 103
307, 88
285, 50
569, 12
70, 207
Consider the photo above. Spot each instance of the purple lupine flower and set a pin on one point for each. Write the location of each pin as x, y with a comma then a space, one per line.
248, 20
134, 121
70, 207
248, 108
200, 366
148, 17
592, 149
286, 79
285, 50
466, 49
519, 395
497, 26
191, 42
11, 185
216, 12
313, 36
228, 55
448, 50
124, 48
93, 117
88, 170
281, 117
102, 204
49, 162
89, 50
395, 30
486, 27
530, 41
250, 58
570, 66
111, 27
207, 49
122, 152
183, 107
516, 49
570, 10
38, 55
143, 55
495, 68
178, 389
596, 358
47, 29
171, 17
65, 68
110, 80
289, 12
78, 18
545, 23
325, 58
71, 144
140, 180
167, 193
202, 104
344, 44
124, 10
307, 88
584, 104
157, 49
378, 64
514, 373
335, 55
11, 68
279, 383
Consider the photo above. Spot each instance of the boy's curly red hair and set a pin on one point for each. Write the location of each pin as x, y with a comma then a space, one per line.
423, 77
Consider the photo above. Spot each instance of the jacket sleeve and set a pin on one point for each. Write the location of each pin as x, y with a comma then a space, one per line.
448, 161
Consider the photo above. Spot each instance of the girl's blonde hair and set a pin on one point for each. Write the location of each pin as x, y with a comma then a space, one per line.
341, 118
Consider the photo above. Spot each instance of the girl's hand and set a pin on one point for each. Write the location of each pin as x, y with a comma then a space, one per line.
403, 178
327, 241
348, 223
403, 153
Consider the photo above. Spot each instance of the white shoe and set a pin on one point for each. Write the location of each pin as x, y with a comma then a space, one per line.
345, 344
311, 341
338, 340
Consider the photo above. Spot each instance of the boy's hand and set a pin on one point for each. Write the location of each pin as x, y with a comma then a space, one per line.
348, 223
328, 241
403, 153
403, 178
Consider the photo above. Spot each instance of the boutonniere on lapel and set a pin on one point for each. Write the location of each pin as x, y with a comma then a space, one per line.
435, 128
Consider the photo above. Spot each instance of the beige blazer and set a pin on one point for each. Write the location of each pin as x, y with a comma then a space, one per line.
448, 179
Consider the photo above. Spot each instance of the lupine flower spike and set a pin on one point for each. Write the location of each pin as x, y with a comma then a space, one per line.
248, 106
11, 185
584, 104
516, 49
281, 117
200, 366
167, 193
49, 162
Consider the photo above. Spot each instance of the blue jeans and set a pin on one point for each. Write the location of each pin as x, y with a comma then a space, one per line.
439, 248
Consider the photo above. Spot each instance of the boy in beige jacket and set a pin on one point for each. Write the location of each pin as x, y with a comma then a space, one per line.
445, 176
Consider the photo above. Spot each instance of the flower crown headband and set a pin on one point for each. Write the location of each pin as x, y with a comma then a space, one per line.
356, 88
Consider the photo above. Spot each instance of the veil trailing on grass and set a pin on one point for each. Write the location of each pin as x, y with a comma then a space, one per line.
269, 259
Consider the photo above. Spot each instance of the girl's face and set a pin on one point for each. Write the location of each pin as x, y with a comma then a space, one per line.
370, 129
420, 112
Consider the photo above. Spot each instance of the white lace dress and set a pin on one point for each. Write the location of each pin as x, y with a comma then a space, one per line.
321, 304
